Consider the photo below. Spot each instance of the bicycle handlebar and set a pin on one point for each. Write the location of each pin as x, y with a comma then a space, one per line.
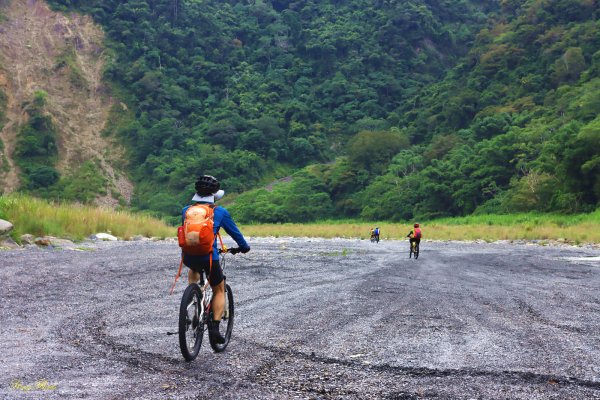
233, 250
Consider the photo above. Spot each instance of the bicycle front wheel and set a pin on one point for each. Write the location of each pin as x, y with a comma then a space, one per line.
226, 325
191, 329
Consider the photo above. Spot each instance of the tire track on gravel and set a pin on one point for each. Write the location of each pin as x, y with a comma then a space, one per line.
525, 377
93, 339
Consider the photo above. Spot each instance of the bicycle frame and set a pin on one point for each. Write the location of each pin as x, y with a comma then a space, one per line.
206, 289
414, 249
205, 303
207, 294
195, 315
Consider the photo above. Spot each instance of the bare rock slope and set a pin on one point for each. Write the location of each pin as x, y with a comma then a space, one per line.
34, 44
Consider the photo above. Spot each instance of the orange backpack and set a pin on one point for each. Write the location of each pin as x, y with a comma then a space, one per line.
417, 233
196, 236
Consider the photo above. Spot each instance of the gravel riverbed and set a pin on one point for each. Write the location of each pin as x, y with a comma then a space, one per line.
315, 319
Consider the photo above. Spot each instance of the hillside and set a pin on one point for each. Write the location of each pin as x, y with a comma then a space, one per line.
55, 106
383, 110
513, 127
250, 91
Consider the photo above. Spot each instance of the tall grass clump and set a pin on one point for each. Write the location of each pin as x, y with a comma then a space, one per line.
39, 218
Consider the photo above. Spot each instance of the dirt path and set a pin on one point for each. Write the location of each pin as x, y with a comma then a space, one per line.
322, 319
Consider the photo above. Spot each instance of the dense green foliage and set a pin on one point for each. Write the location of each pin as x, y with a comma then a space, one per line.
36, 152
237, 88
84, 184
514, 127
417, 109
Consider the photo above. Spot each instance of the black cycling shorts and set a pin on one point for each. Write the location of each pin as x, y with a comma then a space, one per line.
199, 264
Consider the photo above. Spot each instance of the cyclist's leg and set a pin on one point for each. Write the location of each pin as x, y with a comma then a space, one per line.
218, 301
217, 283
193, 276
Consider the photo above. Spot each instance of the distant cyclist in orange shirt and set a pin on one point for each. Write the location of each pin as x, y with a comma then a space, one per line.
415, 235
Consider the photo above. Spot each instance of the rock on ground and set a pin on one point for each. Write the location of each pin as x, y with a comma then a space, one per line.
104, 236
5, 228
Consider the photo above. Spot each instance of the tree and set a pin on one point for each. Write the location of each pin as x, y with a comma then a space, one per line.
570, 65
374, 150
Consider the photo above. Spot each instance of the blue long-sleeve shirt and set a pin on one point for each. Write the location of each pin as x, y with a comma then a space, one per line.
223, 219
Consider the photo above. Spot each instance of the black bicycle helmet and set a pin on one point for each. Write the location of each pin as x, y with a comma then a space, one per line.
207, 185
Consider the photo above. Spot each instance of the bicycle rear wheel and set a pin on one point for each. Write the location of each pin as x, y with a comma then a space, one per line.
416, 251
191, 329
226, 325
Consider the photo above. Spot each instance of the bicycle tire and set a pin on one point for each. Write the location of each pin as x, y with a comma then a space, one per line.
416, 251
226, 325
191, 329
410, 252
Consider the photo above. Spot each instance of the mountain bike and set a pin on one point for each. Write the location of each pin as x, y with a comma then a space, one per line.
414, 250
195, 314
374, 238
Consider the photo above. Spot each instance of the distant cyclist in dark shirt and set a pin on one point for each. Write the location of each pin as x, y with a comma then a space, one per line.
207, 191
376, 234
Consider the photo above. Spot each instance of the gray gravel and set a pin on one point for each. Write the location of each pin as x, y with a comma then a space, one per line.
315, 319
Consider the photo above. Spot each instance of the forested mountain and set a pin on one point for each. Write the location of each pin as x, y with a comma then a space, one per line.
249, 90
383, 109
513, 127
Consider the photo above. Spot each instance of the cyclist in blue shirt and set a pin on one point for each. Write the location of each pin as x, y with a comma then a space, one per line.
207, 192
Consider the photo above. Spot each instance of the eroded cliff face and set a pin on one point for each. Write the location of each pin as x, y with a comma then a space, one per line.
62, 55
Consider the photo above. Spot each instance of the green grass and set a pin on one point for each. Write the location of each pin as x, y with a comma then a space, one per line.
581, 228
39, 218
